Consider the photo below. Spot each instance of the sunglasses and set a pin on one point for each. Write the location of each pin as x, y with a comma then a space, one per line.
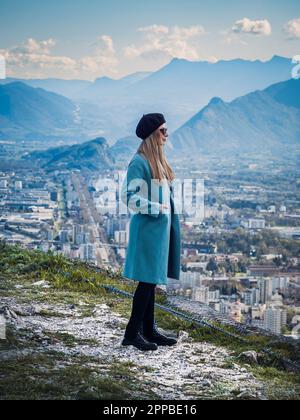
164, 131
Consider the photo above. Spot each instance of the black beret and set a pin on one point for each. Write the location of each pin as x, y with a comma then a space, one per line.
148, 124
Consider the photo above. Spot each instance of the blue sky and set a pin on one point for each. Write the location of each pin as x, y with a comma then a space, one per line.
88, 39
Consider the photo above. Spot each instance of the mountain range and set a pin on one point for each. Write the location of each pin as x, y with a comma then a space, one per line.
26, 112
179, 90
111, 108
80, 89
262, 121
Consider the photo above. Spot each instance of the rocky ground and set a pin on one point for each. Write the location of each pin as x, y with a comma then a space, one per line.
68, 345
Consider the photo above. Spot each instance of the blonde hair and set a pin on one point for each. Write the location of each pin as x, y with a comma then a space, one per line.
153, 151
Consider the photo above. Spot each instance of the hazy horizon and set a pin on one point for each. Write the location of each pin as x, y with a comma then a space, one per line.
140, 72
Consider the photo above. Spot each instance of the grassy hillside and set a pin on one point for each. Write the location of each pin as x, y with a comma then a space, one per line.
93, 155
51, 304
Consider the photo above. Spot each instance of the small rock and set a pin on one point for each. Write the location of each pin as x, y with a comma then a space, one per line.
103, 306
247, 395
262, 397
206, 383
208, 376
27, 311
8, 313
250, 357
183, 337
44, 284
191, 374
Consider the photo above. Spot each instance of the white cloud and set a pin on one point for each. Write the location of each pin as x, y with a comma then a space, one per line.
103, 58
33, 55
245, 26
175, 41
253, 27
37, 60
36, 55
292, 28
32, 46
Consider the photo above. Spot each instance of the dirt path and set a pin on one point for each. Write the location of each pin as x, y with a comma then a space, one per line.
48, 333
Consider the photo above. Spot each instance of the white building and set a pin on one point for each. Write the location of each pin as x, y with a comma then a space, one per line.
275, 316
253, 223
18, 185
265, 286
201, 294
63, 236
214, 295
3, 184
82, 238
121, 237
281, 283
251, 297
275, 319
87, 252
190, 279
198, 265
67, 250
76, 230
224, 307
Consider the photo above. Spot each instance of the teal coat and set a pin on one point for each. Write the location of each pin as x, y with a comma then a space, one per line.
154, 249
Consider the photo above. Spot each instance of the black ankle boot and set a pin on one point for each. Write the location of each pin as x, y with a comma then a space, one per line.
155, 336
139, 342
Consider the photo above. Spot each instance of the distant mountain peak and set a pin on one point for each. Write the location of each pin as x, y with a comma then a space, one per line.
99, 140
104, 79
264, 121
18, 84
26, 111
177, 59
277, 59
215, 101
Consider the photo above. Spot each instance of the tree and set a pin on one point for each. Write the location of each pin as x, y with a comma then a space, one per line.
212, 265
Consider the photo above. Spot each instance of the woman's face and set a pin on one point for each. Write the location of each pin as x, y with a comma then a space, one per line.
163, 135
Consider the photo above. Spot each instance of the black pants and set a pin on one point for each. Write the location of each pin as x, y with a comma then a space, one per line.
142, 315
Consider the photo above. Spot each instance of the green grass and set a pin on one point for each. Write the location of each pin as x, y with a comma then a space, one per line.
54, 376
76, 283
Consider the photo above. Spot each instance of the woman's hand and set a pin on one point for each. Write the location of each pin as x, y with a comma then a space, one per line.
162, 207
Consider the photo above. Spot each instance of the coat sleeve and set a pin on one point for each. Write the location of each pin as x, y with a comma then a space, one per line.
137, 202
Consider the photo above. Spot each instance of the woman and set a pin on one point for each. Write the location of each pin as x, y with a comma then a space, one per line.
154, 248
